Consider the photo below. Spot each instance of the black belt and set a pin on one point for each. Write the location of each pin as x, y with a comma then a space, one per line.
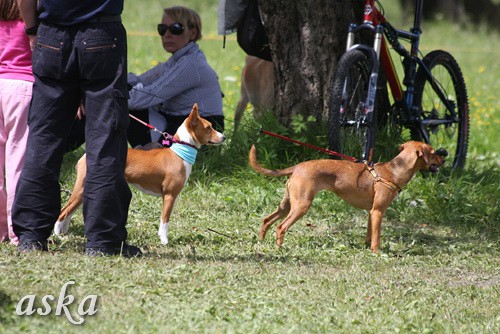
106, 18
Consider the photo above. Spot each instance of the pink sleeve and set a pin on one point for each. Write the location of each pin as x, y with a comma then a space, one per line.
15, 52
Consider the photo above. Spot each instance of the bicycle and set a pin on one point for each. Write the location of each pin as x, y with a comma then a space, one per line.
433, 108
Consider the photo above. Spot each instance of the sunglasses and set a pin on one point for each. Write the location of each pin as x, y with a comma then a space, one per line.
175, 28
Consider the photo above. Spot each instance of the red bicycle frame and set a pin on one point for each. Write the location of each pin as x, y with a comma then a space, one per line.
363, 119
375, 21
374, 18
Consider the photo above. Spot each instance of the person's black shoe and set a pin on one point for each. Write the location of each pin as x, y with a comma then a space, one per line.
26, 246
125, 251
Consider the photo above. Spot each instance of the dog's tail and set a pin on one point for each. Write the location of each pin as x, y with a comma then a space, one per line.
252, 158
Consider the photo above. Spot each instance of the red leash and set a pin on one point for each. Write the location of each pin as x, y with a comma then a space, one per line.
327, 151
146, 124
169, 139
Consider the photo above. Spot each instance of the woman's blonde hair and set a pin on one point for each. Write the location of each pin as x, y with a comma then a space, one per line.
188, 17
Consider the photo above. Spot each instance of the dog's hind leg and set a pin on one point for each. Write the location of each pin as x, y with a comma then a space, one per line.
296, 212
75, 200
240, 108
279, 213
62, 226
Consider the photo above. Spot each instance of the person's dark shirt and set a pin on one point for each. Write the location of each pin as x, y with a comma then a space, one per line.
69, 12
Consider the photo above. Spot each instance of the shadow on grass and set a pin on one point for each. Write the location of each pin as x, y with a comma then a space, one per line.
7, 309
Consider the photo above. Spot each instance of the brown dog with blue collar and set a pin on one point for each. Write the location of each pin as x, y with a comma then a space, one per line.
362, 186
158, 171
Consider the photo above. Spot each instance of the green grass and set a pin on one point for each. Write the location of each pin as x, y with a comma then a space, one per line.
438, 271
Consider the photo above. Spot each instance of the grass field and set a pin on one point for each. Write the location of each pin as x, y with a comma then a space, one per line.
438, 271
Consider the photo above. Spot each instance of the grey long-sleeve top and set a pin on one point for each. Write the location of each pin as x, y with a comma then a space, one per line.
174, 86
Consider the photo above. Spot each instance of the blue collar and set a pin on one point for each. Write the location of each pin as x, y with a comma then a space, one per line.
185, 152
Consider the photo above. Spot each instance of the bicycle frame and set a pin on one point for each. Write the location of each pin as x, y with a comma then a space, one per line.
386, 35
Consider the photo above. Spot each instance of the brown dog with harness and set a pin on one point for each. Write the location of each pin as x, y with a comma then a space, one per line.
371, 188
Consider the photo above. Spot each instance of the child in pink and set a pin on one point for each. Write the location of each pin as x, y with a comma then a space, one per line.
16, 82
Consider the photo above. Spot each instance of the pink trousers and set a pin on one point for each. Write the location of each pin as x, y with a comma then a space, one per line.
15, 98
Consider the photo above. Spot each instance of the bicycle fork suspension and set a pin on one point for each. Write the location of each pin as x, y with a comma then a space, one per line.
364, 121
369, 106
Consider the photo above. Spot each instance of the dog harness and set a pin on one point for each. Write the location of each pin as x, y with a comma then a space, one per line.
378, 178
185, 152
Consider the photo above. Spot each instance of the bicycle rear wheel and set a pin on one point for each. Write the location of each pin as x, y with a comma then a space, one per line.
348, 133
444, 129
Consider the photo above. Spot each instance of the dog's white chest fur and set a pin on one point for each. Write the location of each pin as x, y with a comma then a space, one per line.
185, 136
188, 167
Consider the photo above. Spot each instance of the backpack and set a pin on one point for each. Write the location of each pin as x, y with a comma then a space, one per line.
251, 34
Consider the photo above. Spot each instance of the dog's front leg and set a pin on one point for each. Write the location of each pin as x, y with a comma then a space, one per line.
163, 232
368, 239
374, 225
168, 204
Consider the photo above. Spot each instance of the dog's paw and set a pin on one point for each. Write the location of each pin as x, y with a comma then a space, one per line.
164, 240
163, 233
61, 227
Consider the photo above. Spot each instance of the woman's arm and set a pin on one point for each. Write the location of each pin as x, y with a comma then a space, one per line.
27, 8
163, 83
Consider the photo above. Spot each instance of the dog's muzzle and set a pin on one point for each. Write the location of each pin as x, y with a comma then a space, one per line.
222, 138
434, 168
440, 154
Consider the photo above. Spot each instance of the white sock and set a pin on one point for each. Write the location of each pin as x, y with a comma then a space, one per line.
62, 227
163, 232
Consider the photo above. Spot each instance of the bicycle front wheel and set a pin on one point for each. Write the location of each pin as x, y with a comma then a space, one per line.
349, 132
445, 128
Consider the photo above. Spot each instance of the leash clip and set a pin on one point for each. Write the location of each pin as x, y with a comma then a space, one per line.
168, 139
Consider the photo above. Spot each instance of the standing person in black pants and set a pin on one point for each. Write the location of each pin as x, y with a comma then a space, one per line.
80, 54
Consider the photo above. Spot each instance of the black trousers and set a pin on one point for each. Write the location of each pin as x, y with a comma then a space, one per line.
70, 63
76, 136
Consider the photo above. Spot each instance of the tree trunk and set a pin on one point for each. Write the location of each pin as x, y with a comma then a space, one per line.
307, 38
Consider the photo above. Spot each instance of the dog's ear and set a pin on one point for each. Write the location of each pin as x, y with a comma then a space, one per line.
424, 154
193, 116
401, 147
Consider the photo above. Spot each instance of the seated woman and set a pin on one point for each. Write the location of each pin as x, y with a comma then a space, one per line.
164, 95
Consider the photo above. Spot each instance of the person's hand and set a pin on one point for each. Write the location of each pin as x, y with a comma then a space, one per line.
81, 112
32, 42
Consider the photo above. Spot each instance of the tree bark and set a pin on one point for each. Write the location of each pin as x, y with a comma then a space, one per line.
307, 38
